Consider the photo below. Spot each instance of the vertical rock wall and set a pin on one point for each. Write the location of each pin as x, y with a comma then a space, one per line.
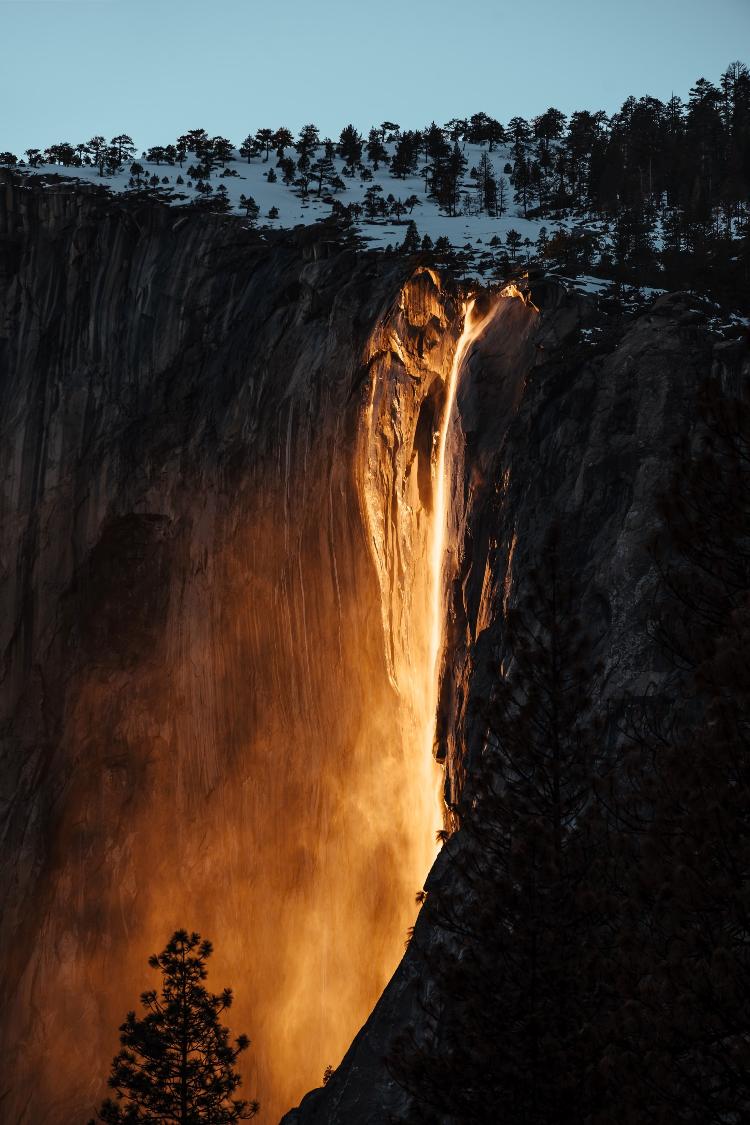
214, 490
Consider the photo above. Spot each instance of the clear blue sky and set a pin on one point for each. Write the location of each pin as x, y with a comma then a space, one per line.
155, 68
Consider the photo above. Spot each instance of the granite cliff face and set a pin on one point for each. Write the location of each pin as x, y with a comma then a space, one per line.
216, 509
206, 470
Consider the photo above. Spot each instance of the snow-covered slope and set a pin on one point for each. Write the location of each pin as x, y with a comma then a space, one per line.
469, 227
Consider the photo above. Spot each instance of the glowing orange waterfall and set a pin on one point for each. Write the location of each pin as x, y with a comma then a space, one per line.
408, 532
472, 329
350, 832
381, 795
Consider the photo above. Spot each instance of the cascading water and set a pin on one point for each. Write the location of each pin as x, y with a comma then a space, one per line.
407, 525
381, 803
473, 327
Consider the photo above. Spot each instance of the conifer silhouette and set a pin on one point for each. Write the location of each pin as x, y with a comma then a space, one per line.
176, 1064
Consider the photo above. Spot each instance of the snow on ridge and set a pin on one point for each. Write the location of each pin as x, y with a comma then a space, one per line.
469, 227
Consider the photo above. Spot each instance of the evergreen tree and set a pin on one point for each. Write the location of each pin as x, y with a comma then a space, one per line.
282, 139
62, 153
454, 170
404, 160
436, 146
522, 181
350, 145
410, 244
252, 210
485, 130
633, 240
288, 168
502, 196
195, 140
324, 172
221, 201
308, 141
264, 140
113, 163
456, 129
513, 241
249, 147
374, 203
487, 184
443, 178
176, 1063
376, 152
221, 151
305, 175
123, 144
549, 126
519, 134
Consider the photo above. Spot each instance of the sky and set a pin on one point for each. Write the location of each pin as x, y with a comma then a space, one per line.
70, 69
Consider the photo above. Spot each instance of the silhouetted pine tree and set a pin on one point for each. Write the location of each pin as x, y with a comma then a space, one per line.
264, 139
176, 1063
350, 145
252, 210
410, 244
376, 150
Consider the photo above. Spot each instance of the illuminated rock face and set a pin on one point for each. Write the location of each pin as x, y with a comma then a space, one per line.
218, 497
215, 521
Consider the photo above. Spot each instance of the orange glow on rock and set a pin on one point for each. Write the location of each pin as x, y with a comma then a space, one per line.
264, 772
